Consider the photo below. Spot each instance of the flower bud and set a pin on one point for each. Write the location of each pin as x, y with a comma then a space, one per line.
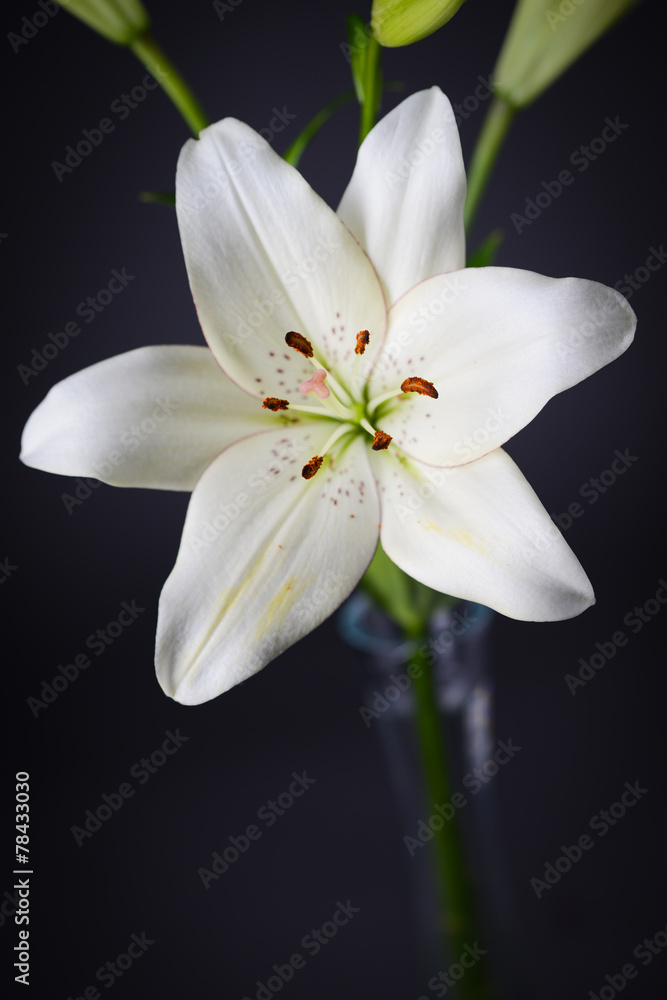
544, 38
121, 21
401, 22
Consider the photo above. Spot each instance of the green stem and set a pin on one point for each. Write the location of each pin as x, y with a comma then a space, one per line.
372, 88
295, 151
458, 912
496, 125
147, 50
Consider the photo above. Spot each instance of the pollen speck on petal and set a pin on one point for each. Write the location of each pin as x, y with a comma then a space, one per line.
312, 467
420, 385
299, 343
273, 403
381, 441
363, 339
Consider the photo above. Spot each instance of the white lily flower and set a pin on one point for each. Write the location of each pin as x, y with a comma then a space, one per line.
359, 385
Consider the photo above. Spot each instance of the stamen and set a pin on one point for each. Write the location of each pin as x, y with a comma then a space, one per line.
316, 384
420, 385
299, 343
375, 402
381, 442
363, 339
312, 467
273, 403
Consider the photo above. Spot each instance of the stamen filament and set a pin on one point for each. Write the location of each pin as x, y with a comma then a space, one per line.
315, 464
319, 410
338, 433
375, 402
367, 427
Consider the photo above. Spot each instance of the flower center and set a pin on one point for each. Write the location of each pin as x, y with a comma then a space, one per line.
336, 402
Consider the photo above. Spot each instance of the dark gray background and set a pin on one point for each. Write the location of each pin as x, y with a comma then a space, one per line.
344, 838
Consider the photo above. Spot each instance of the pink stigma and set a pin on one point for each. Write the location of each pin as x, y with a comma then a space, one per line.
316, 384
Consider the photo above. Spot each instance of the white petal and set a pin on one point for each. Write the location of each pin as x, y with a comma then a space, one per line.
265, 255
405, 200
497, 343
479, 532
265, 557
154, 417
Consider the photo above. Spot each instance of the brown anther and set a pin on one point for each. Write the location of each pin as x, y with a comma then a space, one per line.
272, 403
363, 339
381, 442
299, 343
416, 384
312, 467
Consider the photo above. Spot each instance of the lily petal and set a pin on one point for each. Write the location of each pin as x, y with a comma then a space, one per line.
479, 532
265, 255
265, 557
154, 418
405, 200
497, 343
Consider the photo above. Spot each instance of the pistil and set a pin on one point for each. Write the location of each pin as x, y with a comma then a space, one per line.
299, 343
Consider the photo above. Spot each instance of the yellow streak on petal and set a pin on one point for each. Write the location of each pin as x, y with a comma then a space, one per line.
430, 526
464, 537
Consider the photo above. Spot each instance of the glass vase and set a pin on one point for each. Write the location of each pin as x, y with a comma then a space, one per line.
456, 653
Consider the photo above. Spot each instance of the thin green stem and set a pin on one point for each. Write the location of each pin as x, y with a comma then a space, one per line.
147, 50
158, 197
372, 88
458, 912
295, 151
496, 125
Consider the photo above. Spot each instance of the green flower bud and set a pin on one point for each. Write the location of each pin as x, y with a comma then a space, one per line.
121, 21
401, 22
544, 39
